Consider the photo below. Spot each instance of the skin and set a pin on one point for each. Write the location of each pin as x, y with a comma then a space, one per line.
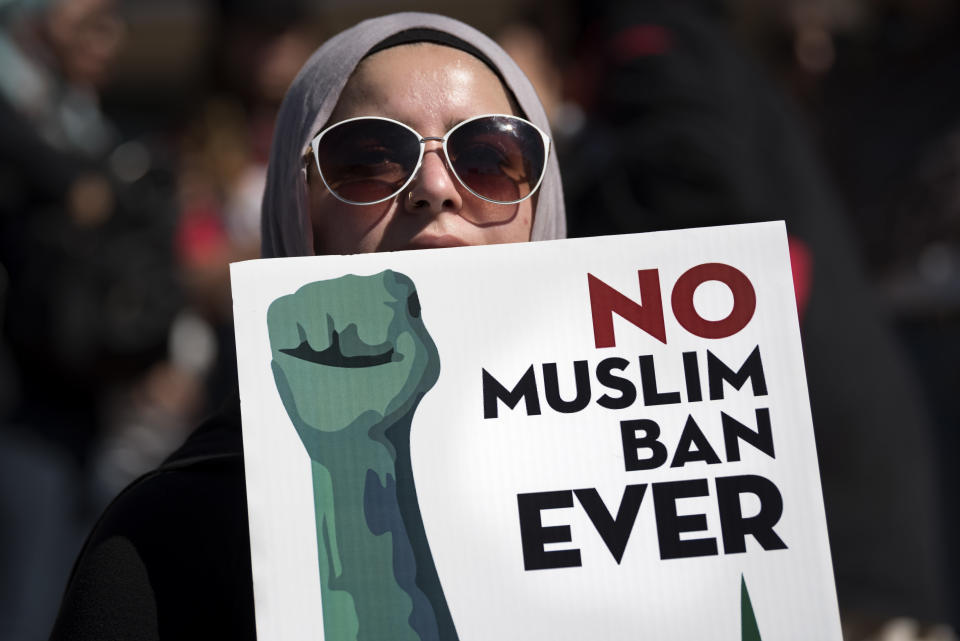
86, 36
431, 88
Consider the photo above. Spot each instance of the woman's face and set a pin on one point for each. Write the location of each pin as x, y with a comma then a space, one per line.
430, 88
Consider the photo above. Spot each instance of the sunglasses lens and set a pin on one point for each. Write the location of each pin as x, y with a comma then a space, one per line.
498, 157
367, 160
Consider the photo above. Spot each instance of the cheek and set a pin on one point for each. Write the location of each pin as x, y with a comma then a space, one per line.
491, 224
515, 230
521, 226
339, 228
524, 223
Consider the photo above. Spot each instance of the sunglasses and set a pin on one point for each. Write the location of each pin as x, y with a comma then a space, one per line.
363, 161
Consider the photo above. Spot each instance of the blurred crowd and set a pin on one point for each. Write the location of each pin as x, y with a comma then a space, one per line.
133, 144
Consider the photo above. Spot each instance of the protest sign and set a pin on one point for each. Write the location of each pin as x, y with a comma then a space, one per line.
606, 438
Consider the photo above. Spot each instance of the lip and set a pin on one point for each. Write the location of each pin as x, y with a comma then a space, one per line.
435, 242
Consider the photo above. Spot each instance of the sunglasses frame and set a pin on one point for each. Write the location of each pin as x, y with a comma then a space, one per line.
315, 142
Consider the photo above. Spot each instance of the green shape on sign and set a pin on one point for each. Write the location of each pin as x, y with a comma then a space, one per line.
748, 623
352, 359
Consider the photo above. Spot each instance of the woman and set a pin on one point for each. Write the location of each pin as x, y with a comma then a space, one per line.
170, 558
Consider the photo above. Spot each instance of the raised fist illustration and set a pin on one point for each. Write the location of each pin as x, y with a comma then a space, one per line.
352, 359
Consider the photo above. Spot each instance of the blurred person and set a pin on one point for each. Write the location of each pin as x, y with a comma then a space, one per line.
89, 291
683, 130
889, 114
883, 108
171, 557
222, 173
921, 282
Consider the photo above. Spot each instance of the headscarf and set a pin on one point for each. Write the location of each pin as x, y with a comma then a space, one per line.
314, 93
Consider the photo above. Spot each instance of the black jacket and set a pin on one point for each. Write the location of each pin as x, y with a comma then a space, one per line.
170, 558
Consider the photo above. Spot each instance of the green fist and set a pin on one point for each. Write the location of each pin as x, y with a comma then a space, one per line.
351, 360
350, 354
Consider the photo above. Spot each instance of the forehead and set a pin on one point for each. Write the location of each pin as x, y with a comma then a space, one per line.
427, 86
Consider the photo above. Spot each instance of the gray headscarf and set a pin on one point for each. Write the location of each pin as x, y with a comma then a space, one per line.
314, 93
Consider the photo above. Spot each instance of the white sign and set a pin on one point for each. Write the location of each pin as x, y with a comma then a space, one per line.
606, 438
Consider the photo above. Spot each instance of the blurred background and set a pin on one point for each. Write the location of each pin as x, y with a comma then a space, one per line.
134, 137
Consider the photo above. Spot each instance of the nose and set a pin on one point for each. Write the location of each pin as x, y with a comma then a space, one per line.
434, 189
